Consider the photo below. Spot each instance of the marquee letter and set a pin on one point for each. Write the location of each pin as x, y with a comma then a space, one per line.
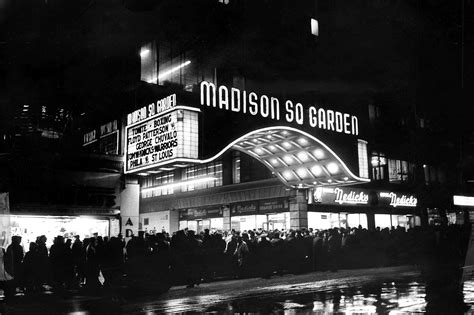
235, 97
346, 124
253, 106
275, 107
339, 122
264, 106
299, 113
289, 111
223, 97
355, 126
322, 118
208, 94
330, 119
313, 120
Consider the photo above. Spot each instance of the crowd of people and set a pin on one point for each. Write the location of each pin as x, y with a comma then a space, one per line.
185, 257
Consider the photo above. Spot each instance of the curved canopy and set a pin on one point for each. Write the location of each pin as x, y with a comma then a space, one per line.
297, 158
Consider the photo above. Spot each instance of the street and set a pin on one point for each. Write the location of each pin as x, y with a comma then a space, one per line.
363, 290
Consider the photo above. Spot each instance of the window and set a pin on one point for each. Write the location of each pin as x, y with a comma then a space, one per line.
205, 172
433, 174
379, 163
148, 63
363, 159
398, 170
314, 27
157, 181
146, 221
236, 168
374, 113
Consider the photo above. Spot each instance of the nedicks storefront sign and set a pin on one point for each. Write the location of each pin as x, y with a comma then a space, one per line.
361, 197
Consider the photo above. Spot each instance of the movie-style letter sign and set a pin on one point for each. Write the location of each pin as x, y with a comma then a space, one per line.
160, 138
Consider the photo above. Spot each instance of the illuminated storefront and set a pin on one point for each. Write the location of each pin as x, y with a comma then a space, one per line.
29, 227
349, 207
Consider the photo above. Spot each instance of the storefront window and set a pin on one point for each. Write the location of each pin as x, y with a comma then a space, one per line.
329, 220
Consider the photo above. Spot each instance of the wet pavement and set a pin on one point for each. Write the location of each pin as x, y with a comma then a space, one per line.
391, 290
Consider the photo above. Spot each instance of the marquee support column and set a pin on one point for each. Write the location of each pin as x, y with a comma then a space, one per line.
226, 218
299, 210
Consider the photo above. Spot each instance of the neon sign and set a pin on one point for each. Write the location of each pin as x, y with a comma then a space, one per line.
400, 201
264, 106
152, 109
350, 198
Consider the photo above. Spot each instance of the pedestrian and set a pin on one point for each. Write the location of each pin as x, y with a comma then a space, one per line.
13, 259
6, 280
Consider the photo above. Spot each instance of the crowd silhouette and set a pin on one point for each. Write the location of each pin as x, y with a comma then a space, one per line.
159, 260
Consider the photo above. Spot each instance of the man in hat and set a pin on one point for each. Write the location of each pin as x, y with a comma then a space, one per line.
13, 258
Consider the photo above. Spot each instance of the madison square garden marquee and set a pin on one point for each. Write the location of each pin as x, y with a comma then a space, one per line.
305, 144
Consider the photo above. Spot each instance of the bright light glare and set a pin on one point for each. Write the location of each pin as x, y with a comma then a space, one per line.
274, 162
180, 184
166, 73
332, 168
302, 141
288, 175
288, 159
316, 170
302, 172
144, 52
303, 156
319, 154
259, 151
286, 145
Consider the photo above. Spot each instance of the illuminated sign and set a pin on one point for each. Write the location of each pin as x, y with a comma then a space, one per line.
400, 200
264, 106
152, 109
339, 196
161, 138
89, 137
463, 201
108, 128
350, 197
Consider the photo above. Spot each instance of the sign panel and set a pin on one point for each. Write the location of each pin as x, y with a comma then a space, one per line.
340, 196
244, 208
463, 201
161, 138
397, 199
200, 213
273, 205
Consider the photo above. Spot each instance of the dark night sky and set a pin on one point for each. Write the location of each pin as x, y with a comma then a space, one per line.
79, 52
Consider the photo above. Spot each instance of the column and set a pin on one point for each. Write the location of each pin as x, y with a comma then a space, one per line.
129, 208
299, 210
226, 217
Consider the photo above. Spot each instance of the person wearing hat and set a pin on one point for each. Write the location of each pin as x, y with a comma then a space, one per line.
13, 258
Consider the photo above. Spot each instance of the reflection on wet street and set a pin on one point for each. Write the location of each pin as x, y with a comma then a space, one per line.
379, 297
392, 290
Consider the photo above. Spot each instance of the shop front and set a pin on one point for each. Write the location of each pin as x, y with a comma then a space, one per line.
337, 208
200, 219
268, 214
29, 227
347, 207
